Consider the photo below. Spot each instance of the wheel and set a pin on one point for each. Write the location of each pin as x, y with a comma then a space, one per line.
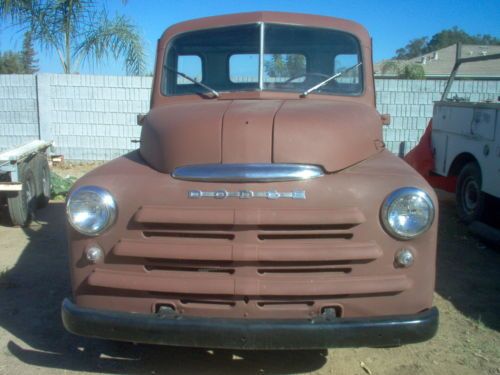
41, 172
22, 203
470, 198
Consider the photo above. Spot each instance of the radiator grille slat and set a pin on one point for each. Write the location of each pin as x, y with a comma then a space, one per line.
186, 282
209, 251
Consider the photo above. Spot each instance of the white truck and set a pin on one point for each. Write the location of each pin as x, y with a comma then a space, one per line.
465, 142
25, 180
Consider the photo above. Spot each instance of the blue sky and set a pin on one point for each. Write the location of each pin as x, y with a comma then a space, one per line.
390, 23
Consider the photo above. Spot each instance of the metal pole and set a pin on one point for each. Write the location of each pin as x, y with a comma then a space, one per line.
458, 53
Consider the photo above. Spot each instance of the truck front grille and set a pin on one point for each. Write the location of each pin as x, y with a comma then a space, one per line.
254, 260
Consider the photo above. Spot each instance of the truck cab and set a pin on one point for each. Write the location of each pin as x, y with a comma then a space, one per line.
261, 210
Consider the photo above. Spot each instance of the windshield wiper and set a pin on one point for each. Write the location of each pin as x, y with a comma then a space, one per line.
322, 83
215, 93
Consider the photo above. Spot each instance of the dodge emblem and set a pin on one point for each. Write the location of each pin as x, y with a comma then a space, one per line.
246, 194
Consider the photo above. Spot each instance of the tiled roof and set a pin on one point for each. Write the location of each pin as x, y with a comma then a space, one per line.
440, 63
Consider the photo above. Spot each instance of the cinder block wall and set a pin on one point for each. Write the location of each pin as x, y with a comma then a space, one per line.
18, 110
94, 117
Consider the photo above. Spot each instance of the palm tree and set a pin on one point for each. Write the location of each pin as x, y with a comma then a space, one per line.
391, 67
78, 31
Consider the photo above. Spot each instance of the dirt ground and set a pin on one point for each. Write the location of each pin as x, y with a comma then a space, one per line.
34, 280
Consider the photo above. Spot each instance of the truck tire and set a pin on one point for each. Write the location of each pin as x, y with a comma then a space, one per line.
470, 199
22, 203
41, 172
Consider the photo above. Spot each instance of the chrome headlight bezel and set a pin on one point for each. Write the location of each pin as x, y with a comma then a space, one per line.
398, 194
107, 203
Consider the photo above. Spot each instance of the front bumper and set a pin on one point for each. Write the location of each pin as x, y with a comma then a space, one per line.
250, 334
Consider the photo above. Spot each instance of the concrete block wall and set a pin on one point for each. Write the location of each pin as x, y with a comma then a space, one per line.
18, 110
94, 117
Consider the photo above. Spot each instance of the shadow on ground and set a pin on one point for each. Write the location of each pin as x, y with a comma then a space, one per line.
468, 271
31, 295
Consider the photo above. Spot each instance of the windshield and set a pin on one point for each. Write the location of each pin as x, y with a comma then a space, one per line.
263, 57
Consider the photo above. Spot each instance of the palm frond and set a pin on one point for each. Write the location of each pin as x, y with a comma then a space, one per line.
13, 8
391, 67
118, 38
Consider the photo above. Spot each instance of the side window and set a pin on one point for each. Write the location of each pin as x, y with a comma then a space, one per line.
343, 62
244, 68
189, 65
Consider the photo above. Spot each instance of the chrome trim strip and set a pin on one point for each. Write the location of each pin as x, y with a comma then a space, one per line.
257, 172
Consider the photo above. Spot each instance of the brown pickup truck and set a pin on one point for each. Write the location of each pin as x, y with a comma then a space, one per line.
262, 210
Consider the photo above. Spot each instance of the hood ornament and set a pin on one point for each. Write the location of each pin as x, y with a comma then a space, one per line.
246, 194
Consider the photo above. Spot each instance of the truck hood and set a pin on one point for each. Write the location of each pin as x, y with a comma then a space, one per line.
332, 134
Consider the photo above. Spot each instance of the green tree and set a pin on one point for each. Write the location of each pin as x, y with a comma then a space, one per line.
296, 65
78, 31
11, 63
448, 37
276, 66
28, 55
412, 49
285, 65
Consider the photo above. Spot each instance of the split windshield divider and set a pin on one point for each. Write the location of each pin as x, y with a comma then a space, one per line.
261, 57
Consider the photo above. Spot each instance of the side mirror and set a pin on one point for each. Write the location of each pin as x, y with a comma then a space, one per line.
141, 119
386, 119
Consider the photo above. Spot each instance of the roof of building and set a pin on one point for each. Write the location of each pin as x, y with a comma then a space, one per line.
439, 63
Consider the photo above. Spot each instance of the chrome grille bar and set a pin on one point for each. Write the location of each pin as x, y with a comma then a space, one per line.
257, 172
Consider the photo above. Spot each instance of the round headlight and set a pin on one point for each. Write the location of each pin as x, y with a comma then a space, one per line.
407, 213
91, 210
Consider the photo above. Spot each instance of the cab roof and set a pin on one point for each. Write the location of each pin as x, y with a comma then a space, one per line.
267, 17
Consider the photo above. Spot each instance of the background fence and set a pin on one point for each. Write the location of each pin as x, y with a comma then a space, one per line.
94, 117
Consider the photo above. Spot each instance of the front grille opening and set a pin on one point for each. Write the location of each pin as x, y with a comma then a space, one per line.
202, 303
263, 271
215, 236
315, 227
153, 262
188, 227
228, 271
304, 236
287, 303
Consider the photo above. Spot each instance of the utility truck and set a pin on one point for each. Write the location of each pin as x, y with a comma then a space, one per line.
466, 144
460, 151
